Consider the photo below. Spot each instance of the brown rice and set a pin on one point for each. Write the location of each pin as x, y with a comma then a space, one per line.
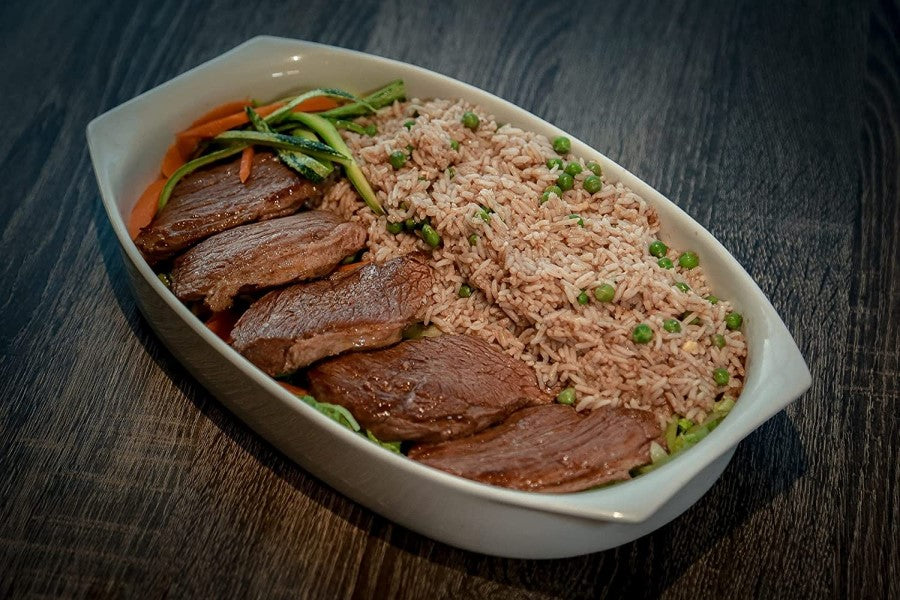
531, 261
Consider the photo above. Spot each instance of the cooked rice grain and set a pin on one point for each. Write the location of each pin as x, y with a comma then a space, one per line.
531, 262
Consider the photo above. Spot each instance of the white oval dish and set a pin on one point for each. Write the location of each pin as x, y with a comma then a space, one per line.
126, 145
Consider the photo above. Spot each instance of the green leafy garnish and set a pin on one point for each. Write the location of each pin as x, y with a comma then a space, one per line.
392, 446
334, 412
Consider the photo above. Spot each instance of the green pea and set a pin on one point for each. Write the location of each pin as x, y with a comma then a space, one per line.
431, 237
718, 340
721, 376
733, 320
682, 286
562, 145
465, 291
567, 396
688, 260
594, 168
555, 163
565, 181
592, 184
454, 144
473, 240
672, 325
470, 120
665, 263
485, 215
580, 220
409, 124
397, 159
394, 228
573, 168
642, 334
658, 249
554, 189
605, 293
410, 224
583, 298
712, 299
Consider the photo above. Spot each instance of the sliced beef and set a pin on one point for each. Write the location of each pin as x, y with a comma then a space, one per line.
428, 390
549, 448
212, 200
366, 308
265, 254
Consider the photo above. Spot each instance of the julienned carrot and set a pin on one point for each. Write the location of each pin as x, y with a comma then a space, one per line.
223, 110
297, 391
246, 163
316, 104
213, 128
221, 324
172, 160
352, 266
145, 209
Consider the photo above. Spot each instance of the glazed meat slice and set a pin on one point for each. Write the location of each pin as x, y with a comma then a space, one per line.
366, 308
265, 254
212, 200
428, 390
549, 448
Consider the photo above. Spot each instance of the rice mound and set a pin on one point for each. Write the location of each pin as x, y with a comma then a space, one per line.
531, 261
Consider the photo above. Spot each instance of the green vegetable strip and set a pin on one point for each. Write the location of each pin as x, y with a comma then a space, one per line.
288, 108
307, 166
192, 166
330, 134
350, 126
284, 142
395, 90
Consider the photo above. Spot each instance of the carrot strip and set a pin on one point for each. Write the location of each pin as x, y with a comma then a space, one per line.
246, 163
213, 128
297, 391
172, 160
352, 266
145, 209
221, 324
223, 110
317, 104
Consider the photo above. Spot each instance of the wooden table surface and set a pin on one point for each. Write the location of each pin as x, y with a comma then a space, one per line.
775, 126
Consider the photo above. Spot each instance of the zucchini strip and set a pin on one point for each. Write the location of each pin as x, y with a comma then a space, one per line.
288, 108
307, 166
395, 90
284, 142
350, 126
324, 128
192, 166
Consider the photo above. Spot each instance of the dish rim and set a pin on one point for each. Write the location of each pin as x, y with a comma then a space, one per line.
630, 501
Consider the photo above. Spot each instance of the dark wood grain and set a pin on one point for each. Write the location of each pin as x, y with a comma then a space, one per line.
775, 126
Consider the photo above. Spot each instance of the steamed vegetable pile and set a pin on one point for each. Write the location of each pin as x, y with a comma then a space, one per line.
302, 129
